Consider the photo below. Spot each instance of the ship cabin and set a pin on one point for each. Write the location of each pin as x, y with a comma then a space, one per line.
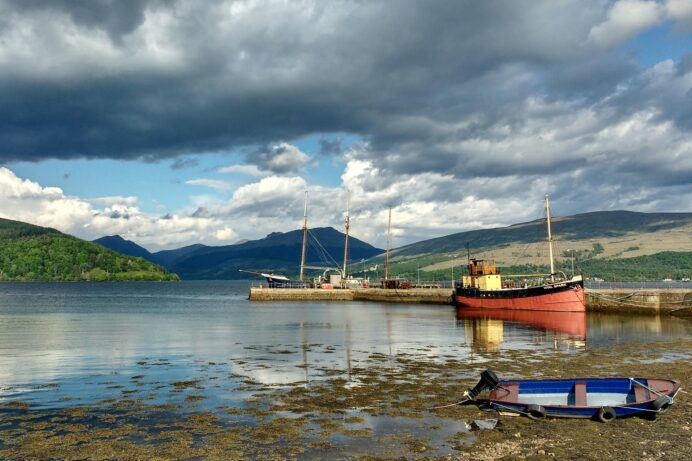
483, 275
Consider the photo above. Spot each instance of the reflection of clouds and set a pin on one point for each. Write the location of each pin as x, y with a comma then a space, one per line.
273, 376
42, 348
69, 333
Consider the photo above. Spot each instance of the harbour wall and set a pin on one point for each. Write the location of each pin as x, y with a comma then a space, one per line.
658, 300
414, 295
652, 301
299, 294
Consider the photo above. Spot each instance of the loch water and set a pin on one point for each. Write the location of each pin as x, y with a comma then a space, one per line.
66, 344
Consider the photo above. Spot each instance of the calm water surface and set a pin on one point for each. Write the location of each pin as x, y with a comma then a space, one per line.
79, 343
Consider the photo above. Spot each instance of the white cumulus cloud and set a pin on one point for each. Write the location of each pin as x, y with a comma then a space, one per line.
28, 201
680, 11
250, 170
625, 20
215, 184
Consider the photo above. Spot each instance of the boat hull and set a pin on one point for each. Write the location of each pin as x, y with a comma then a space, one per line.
559, 297
562, 398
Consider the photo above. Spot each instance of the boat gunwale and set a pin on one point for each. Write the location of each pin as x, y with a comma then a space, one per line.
574, 284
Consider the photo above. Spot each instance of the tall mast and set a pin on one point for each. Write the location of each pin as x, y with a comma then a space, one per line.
348, 225
389, 241
305, 236
550, 239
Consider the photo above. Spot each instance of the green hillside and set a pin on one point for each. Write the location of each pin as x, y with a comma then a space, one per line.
600, 225
29, 252
659, 266
623, 245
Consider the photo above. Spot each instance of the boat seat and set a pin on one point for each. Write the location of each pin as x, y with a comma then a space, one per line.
507, 393
660, 385
580, 394
641, 394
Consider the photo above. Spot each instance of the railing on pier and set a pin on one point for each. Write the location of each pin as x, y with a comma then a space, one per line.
288, 285
402, 285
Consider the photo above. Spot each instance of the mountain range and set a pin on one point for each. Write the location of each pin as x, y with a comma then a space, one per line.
600, 235
627, 244
277, 252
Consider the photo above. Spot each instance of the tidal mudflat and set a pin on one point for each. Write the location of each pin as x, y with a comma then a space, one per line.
193, 372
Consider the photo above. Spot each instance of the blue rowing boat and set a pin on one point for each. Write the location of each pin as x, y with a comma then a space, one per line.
604, 399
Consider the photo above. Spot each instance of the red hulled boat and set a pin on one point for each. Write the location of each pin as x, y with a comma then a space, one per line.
483, 287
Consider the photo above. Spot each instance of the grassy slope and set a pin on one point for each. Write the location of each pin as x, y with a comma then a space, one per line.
668, 264
581, 227
29, 252
617, 244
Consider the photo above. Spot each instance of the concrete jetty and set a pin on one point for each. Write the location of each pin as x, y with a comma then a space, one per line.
647, 300
653, 301
413, 295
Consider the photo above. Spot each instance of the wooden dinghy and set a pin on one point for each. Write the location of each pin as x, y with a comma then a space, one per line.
604, 399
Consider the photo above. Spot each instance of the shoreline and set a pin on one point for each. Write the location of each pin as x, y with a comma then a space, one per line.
645, 301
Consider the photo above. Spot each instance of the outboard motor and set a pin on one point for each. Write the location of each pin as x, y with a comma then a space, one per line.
488, 381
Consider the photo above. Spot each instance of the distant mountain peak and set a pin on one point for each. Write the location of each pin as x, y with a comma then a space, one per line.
278, 251
113, 237
124, 246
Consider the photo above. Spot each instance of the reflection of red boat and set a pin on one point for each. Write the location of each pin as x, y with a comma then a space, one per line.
572, 324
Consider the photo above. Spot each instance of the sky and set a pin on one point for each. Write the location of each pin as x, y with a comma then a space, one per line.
180, 122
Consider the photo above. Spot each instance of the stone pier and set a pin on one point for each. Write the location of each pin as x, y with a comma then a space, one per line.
647, 300
651, 301
415, 295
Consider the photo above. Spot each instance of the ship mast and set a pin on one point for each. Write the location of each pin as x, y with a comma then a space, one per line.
550, 240
348, 226
305, 236
389, 239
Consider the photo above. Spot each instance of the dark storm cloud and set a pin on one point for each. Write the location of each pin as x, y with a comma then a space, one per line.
270, 74
116, 17
280, 159
467, 89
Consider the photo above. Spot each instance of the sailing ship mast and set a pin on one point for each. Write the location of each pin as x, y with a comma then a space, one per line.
348, 225
305, 236
550, 240
389, 239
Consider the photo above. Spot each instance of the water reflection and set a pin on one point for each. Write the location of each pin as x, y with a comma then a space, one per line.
486, 327
89, 340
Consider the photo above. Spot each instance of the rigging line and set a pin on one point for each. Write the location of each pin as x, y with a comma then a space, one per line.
326, 256
522, 255
319, 252
315, 245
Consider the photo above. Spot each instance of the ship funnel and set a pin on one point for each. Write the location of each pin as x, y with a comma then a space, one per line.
488, 381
